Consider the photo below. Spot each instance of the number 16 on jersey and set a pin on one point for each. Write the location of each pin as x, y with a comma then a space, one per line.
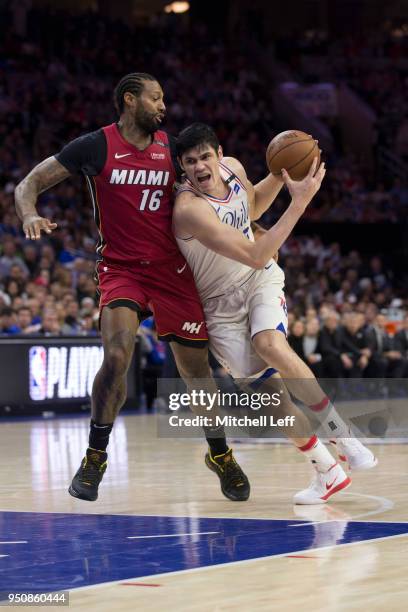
151, 199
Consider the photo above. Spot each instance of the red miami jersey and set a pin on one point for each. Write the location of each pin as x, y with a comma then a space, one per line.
140, 265
132, 199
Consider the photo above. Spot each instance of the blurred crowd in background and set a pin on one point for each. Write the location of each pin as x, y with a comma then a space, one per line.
57, 82
372, 62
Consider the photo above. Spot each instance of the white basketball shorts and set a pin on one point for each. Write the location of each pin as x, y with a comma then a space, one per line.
233, 320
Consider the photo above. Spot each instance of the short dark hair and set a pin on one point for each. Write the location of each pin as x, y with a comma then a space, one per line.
195, 135
132, 83
6, 311
24, 308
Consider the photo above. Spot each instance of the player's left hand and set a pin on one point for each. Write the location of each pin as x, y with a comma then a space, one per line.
303, 191
33, 225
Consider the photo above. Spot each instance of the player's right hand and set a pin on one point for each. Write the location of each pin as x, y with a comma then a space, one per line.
302, 192
33, 225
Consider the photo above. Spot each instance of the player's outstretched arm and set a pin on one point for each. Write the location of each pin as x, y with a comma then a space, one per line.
193, 216
43, 176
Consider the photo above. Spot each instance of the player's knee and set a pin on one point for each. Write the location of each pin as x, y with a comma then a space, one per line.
116, 360
195, 367
271, 345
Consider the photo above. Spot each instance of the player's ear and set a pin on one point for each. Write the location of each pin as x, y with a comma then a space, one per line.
130, 100
180, 163
220, 152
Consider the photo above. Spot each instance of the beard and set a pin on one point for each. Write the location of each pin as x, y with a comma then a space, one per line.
146, 121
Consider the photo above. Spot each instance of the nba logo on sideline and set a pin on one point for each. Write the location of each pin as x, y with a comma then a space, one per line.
38, 372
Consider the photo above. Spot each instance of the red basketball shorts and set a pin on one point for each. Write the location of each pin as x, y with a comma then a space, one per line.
166, 290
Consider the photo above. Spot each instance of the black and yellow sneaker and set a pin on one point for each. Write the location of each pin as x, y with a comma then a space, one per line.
234, 483
86, 481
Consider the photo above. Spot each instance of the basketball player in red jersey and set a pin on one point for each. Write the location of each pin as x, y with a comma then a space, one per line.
130, 169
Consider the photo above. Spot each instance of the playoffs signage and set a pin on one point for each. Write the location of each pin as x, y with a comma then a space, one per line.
63, 372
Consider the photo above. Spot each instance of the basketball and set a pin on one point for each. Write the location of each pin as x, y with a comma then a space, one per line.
294, 151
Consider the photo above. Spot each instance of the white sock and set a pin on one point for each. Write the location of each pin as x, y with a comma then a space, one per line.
318, 454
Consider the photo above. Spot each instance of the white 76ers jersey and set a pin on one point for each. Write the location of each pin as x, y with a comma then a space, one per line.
215, 274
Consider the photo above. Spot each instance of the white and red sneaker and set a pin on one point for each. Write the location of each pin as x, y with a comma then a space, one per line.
353, 452
323, 486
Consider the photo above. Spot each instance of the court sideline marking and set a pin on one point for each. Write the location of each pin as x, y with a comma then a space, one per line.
170, 535
235, 563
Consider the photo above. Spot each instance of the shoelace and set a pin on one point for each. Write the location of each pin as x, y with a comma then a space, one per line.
233, 473
91, 472
350, 444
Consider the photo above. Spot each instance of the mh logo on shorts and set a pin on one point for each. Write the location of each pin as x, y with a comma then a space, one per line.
192, 328
284, 306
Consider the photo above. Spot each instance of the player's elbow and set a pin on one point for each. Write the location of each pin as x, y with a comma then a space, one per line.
258, 262
257, 257
18, 189
18, 195
256, 214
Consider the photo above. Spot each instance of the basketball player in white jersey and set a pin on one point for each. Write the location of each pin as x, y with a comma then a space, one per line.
241, 288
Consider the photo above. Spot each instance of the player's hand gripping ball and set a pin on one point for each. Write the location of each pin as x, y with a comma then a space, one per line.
294, 151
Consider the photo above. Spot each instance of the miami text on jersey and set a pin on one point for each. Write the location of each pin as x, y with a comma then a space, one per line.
139, 177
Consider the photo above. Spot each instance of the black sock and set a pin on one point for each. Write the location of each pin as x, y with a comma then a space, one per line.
99, 435
216, 440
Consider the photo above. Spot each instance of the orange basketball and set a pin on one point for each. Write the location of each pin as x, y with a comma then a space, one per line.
294, 151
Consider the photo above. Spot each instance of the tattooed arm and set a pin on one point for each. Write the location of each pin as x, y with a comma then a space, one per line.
45, 175
85, 155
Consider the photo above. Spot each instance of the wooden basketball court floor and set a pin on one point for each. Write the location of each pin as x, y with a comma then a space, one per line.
161, 535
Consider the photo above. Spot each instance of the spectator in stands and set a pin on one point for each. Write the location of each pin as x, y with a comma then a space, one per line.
387, 358
24, 320
14, 288
10, 258
378, 341
16, 273
34, 305
333, 360
30, 256
72, 324
8, 321
50, 325
345, 294
377, 273
371, 312
88, 326
355, 349
87, 306
311, 313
